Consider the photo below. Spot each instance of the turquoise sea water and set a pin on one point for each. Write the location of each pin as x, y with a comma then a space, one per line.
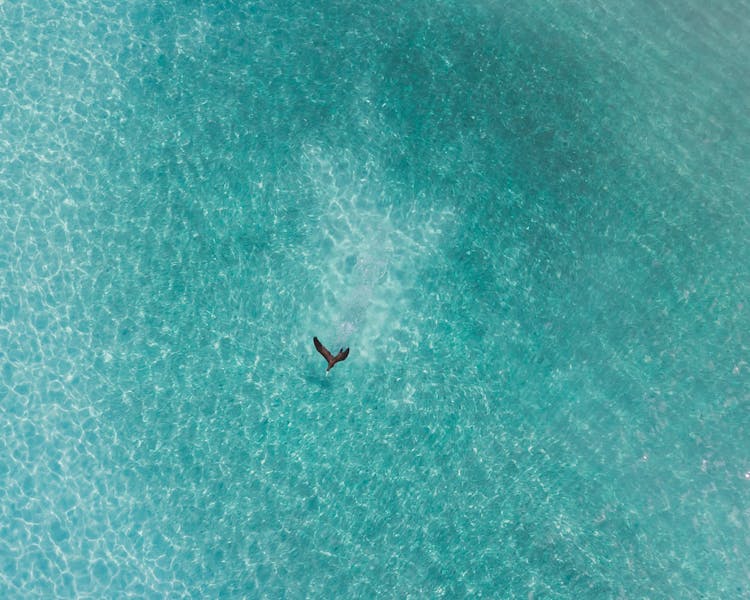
530, 221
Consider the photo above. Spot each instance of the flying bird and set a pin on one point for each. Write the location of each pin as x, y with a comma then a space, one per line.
332, 360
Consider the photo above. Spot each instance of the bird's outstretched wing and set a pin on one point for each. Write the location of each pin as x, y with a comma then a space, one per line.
323, 350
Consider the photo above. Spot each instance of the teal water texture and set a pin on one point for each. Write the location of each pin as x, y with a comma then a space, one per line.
529, 221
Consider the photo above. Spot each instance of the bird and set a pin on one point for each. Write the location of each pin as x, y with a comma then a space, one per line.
332, 360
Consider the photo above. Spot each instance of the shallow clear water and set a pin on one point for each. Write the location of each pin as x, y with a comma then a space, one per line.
529, 222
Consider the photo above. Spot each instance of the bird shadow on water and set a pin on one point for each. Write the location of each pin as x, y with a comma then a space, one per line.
322, 381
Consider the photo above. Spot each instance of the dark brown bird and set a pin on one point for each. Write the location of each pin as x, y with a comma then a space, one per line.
332, 360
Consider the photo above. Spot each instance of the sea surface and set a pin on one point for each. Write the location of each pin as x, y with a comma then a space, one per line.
530, 222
